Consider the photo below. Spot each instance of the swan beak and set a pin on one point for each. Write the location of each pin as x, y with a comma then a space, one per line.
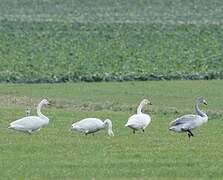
205, 102
171, 128
150, 103
111, 134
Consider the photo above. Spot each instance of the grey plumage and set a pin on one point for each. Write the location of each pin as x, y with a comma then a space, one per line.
189, 122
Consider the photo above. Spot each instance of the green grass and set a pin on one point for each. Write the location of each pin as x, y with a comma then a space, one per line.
65, 41
56, 153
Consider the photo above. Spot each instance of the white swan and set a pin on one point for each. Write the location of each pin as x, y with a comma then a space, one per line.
140, 120
31, 123
189, 122
91, 125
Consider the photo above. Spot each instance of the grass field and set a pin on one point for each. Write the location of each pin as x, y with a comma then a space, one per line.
65, 41
56, 153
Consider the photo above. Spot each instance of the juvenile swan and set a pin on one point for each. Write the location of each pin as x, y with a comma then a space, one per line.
92, 125
140, 120
189, 122
31, 123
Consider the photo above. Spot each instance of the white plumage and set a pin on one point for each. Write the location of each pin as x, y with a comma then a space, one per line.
92, 125
189, 122
31, 123
140, 120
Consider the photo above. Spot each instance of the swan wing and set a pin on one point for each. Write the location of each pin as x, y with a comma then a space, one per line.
187, 121
88, 125
78, 128
29, 123
138, 120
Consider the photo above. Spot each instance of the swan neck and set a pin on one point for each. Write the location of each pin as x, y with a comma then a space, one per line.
139, 109
198, 110
39, 113
108, 123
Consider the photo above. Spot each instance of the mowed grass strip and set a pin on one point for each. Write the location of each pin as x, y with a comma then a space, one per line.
56, 153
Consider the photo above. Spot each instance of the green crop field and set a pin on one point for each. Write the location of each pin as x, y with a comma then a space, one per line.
114, 40
56, 153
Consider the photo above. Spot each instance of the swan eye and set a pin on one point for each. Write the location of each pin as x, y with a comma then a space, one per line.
205, 102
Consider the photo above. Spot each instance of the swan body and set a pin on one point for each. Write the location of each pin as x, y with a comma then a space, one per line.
140, 120
189, 122
92, 125
31, 123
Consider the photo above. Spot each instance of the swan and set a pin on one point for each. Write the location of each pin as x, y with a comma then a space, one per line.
91, 125
140, 120
30, 124
28, 112
189, 122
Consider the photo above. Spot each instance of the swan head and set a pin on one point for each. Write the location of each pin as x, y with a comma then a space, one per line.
145, 101
108, 124
45, 102
200, 100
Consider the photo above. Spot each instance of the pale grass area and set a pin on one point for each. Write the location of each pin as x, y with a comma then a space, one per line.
8, 100
27, 102
110, 18
166, 96
151, 12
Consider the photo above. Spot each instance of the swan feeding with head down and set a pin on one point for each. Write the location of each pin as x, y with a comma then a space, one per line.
189, 122
30, 124
140, 120
92, 125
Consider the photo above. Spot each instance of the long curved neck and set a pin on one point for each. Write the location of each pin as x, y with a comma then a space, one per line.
139, 109
108, 123
39, 111
199, 112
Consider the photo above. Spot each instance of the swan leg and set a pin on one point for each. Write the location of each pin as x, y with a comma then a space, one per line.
143, 130
134, 131
29, 132
189, 133
86, 132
